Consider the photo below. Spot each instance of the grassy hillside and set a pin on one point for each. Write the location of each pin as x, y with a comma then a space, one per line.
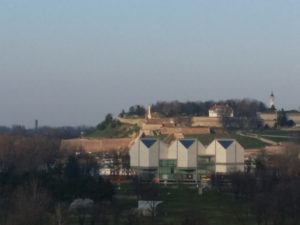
120, 131
246, 142
182, 205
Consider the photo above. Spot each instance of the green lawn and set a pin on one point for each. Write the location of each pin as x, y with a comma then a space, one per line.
211, 208
246, 142
279, 135
121, 131
274, 132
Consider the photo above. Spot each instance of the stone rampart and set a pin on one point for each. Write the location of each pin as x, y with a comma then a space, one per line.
295, 116
268, 118
132, 121
204, 121
96, 145
184, 130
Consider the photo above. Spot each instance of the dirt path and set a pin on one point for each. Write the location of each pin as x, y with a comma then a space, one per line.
265, 140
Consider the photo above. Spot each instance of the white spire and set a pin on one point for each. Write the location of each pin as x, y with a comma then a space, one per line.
272, 100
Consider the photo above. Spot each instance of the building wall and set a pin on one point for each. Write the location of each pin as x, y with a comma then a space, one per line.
212, 113
96, 145
268, 118
222, 155
205, 121
295, 116
143, 156
240, 153
151, 127
187, 157
168, 152
132, 121
229, 157
202, 150
184, 130
220, 111
208, 150
134, 154
149, 156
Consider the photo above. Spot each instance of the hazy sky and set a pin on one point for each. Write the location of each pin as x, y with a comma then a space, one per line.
70, 62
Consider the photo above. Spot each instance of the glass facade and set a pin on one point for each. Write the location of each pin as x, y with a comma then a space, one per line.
167, 169
206, 164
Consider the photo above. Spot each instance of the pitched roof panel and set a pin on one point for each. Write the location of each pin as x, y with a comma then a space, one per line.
148, 142
187, 143
225, 143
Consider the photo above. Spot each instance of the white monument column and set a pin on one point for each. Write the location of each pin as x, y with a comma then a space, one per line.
149, 112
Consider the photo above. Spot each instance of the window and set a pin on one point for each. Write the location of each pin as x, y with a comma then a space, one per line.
206, 159
167, 163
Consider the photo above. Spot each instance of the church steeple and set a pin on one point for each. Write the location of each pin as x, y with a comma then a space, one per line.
272, 101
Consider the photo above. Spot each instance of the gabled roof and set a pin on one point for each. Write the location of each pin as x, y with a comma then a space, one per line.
225, 142
187, 142
220, 107
148, 142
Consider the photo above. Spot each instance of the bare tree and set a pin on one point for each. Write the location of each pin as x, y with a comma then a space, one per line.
30, 205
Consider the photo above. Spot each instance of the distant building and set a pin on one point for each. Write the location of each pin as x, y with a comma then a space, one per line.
220, 111
184, 160
294, 115
268, 119
272, 101
228, 155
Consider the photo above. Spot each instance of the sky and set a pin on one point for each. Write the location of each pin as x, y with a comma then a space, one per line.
70, 62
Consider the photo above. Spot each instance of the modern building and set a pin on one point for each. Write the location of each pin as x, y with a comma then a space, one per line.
184, 160
227, 154
144, 157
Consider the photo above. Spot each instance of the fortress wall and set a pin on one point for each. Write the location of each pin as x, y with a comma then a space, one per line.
195, 130
132, 121
295, 117
271, 118
184, 130
151, 126
205, 121
268, 118
96, 145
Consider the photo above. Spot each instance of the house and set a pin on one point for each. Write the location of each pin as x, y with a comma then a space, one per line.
219, 110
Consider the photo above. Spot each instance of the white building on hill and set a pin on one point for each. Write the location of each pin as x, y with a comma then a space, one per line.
220, 111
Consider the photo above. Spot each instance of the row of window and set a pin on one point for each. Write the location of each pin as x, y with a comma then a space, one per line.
200, 159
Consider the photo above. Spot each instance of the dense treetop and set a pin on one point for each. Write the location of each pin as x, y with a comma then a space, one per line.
241, 107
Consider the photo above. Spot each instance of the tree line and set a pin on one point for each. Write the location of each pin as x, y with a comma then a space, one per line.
241, 107
53, 132
39, 181
272, 189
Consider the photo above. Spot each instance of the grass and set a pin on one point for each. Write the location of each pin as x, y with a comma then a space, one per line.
246, 142
279, 135
274, 132
210, 208
121, 131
